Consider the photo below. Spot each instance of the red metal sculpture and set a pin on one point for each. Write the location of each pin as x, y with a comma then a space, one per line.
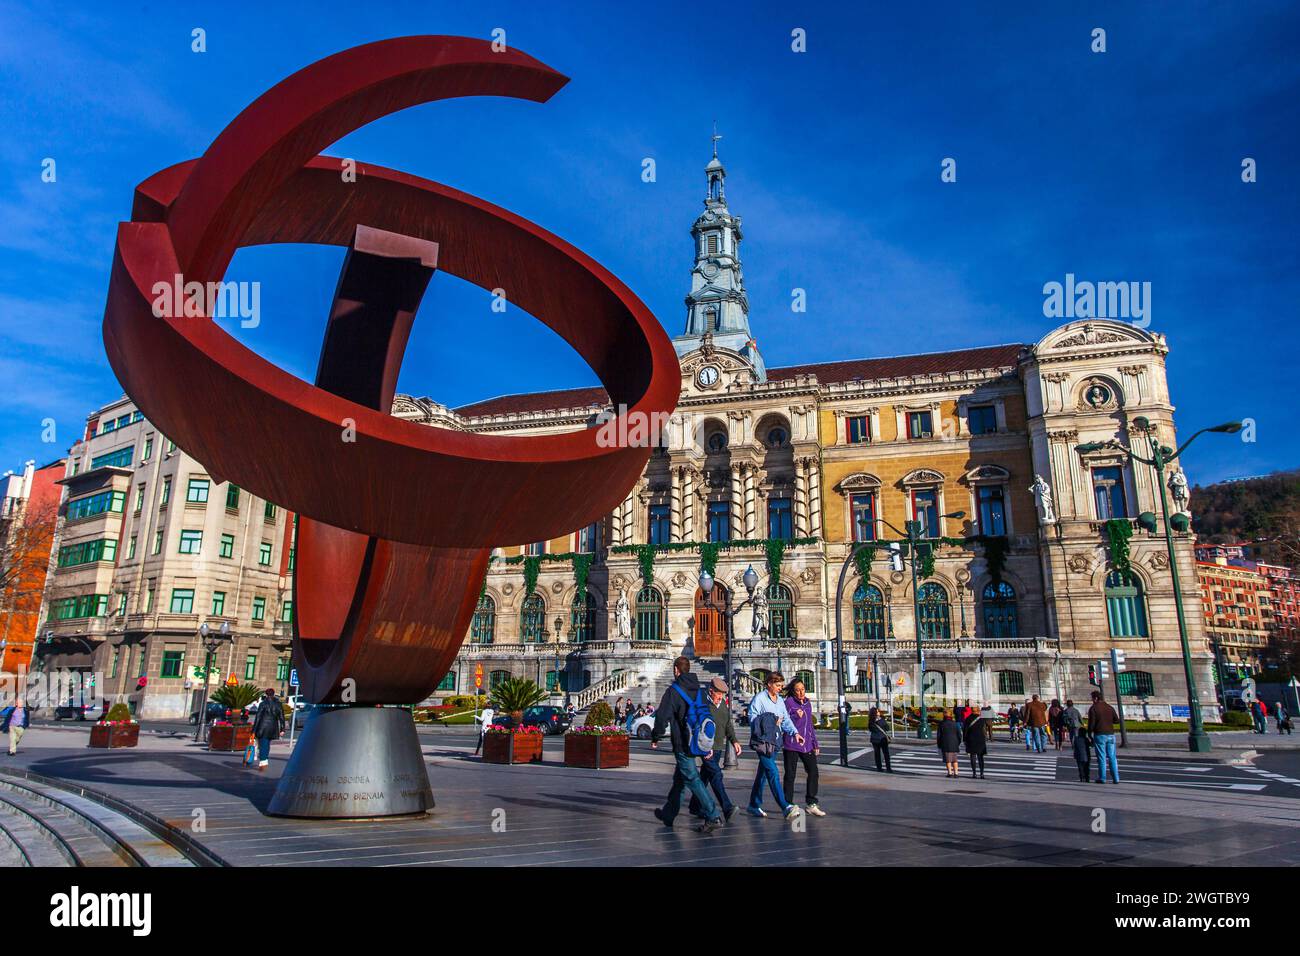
396, 525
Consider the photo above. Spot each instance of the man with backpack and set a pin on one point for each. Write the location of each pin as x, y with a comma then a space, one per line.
684, 715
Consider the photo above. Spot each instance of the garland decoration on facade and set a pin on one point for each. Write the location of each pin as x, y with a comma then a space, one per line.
581, 560
581, 568
1118, 531
710, 551
996, 548
862, 559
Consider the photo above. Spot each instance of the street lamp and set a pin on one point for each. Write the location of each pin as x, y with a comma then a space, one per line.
750, 580
1198, 741
210, 641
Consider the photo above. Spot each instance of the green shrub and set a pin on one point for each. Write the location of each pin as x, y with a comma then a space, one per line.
600, 715
516, 694
1237, 718
466, 700
118, 712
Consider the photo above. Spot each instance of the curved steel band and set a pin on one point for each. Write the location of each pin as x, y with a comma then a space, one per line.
404, 510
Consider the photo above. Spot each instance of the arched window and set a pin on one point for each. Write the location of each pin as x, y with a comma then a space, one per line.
780, 613
868, 613
809, 681
936, 612
1126, 608
497, 678
1000, 618
1136, 684
777, 438
582, 618
448, 682
649, 615
532, 619
485, 620
1011, 684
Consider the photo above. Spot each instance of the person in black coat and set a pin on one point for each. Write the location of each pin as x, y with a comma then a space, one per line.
879, 739
268, 725
975, 733
948, 738
1082, 753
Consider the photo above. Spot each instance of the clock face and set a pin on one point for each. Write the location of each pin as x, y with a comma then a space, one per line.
707, 376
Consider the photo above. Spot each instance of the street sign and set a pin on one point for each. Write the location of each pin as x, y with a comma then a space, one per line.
232, 680
293, 677
1180, 710
478, 676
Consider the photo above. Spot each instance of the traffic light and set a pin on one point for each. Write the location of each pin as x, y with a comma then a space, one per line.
895, 556
851, 665
828, 655
1093, 677
1103, 670
1117, 658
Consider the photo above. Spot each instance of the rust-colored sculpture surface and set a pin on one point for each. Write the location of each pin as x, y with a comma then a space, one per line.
396, 524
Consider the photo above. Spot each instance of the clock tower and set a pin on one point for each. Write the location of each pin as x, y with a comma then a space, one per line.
717, 304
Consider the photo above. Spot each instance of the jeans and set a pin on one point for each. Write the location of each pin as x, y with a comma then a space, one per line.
263, 748
711, 775
1261, 725
687, 777
792, 760
1037, 736
767, 773
1105, 746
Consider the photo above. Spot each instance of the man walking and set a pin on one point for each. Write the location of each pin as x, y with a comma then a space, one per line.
1072, 719
484, 722
268, 725
724, 736
1101, 727
1036, 725
681, 700
768, 718
14, 721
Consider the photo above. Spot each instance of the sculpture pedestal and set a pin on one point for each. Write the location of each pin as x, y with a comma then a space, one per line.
355, 761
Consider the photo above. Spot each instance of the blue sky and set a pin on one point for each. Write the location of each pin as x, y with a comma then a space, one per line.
1116, 166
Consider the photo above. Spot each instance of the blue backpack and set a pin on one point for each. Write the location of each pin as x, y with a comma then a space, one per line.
699, 721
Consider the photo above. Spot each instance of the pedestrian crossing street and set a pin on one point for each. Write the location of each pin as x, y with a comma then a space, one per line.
1015, 765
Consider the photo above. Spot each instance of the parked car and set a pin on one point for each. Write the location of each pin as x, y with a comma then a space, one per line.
552, 719
642, 726
298, 702
72, 710
215, 712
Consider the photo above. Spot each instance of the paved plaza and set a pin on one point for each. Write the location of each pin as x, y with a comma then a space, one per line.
1171, 810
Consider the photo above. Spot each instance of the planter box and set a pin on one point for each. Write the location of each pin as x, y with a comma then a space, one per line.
512, 748
595, 751
234, 737
114, 735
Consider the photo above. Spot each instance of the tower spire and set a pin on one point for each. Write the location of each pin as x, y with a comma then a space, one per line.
717, 305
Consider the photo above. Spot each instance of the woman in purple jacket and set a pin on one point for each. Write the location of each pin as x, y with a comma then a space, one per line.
801, 714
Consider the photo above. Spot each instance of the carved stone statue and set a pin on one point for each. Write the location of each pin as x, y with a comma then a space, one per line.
623, 616
1182, 495
1043, 497
760, 614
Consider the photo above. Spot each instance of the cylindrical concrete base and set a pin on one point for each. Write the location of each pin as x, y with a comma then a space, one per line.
355, 761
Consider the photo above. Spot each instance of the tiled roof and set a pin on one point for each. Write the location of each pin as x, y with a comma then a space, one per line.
827, 373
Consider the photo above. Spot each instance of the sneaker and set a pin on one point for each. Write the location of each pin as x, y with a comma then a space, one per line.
262, 763
659, 815
756, 811
792, 811
816, 810
708, 826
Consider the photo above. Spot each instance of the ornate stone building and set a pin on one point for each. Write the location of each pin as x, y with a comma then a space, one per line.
1024, 594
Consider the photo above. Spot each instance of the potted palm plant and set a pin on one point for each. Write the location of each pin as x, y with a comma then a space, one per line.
514, 743
115, 729
598, 744
234, 731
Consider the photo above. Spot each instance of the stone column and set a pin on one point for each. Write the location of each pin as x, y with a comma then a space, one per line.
815, 496
801, 498
688, 504
751, 524
737, 503
675, 499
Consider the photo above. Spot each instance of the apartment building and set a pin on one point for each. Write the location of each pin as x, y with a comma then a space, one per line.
149, 546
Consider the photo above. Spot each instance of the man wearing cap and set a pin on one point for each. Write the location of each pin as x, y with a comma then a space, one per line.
711, 766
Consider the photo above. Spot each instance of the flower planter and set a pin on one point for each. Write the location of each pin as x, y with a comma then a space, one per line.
110, 736
512, 748
229, 737
595, 751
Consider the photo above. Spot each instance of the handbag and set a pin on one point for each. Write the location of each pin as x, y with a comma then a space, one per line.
250, 753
